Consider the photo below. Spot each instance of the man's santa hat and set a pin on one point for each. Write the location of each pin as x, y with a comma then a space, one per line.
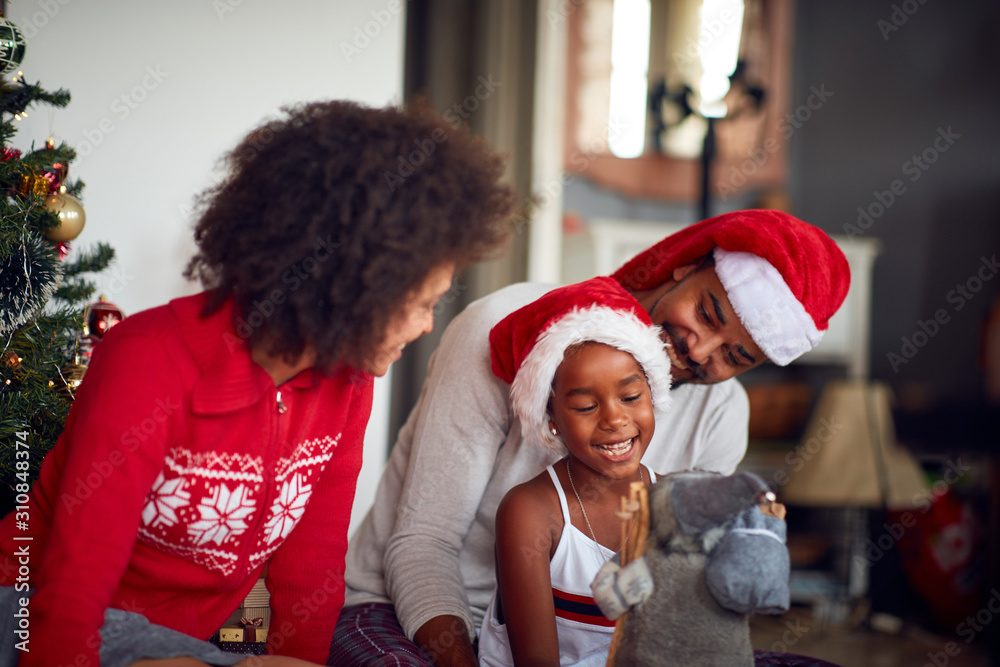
527, 346
784, 277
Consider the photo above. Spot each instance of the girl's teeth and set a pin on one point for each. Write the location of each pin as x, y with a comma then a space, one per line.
619, 448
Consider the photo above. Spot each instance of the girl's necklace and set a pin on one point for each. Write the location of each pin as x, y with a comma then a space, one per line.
569, 473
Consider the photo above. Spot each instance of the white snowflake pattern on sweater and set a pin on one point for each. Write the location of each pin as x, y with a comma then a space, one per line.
223, 515
287, 508
203, 506
296, 475
164, 500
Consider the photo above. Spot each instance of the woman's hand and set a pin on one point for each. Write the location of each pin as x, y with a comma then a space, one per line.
446, 642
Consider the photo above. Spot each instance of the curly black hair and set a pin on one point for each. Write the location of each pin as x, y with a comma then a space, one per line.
330, 215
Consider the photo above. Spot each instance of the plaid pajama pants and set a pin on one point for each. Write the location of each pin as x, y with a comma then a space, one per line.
369, 634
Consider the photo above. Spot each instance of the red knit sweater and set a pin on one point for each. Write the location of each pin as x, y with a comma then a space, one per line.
181, 471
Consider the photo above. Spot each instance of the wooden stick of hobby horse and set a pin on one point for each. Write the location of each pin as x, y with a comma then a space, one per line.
638, 501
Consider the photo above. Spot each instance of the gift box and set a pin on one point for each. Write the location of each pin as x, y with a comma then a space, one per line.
253, 629
230, 635
250, 631
245, 631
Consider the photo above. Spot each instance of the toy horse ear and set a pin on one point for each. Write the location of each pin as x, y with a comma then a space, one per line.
748, 570
711, 500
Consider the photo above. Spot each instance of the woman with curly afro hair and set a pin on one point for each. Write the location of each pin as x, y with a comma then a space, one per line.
330, 218
218, 438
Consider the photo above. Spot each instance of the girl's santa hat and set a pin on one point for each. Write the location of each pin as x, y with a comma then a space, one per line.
527, 346
784, 277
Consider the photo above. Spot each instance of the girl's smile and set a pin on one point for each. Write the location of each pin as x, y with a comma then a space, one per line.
618, 451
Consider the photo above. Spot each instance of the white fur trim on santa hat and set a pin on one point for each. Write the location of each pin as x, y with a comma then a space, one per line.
774, 318
532, 385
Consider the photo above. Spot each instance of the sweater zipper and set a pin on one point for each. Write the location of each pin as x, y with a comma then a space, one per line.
282, 408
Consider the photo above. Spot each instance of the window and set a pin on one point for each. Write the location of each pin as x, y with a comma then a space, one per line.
621, 50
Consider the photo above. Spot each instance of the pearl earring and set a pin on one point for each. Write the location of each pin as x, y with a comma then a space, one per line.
553, 431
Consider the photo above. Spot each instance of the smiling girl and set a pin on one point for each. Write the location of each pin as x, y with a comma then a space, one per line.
586, 380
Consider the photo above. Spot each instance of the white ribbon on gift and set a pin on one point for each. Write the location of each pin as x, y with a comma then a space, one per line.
618, 589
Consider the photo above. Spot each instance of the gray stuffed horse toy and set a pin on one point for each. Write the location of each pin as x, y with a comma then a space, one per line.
712, 558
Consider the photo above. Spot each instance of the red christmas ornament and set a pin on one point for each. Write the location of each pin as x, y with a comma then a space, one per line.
99, 317
52, 179
57, 173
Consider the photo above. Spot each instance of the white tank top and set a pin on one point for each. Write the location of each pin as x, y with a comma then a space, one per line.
584, 632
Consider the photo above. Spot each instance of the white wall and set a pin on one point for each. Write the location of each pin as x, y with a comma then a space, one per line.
160, 90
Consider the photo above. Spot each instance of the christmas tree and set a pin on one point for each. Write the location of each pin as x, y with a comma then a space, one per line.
43, 296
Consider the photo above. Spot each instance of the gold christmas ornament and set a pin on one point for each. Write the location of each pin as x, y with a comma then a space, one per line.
71, 216
72, 375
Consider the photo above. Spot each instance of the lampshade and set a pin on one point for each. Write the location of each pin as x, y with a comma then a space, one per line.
849, 456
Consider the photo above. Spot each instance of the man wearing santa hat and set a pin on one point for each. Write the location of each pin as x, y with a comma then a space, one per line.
730, 293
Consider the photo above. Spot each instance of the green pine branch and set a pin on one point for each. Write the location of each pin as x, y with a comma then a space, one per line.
91, 260
34, 397
17, 96
39, 350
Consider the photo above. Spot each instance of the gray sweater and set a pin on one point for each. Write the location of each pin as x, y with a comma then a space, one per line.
427, 543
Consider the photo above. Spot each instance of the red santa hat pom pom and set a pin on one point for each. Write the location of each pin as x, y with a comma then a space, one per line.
527, 346
784, 277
